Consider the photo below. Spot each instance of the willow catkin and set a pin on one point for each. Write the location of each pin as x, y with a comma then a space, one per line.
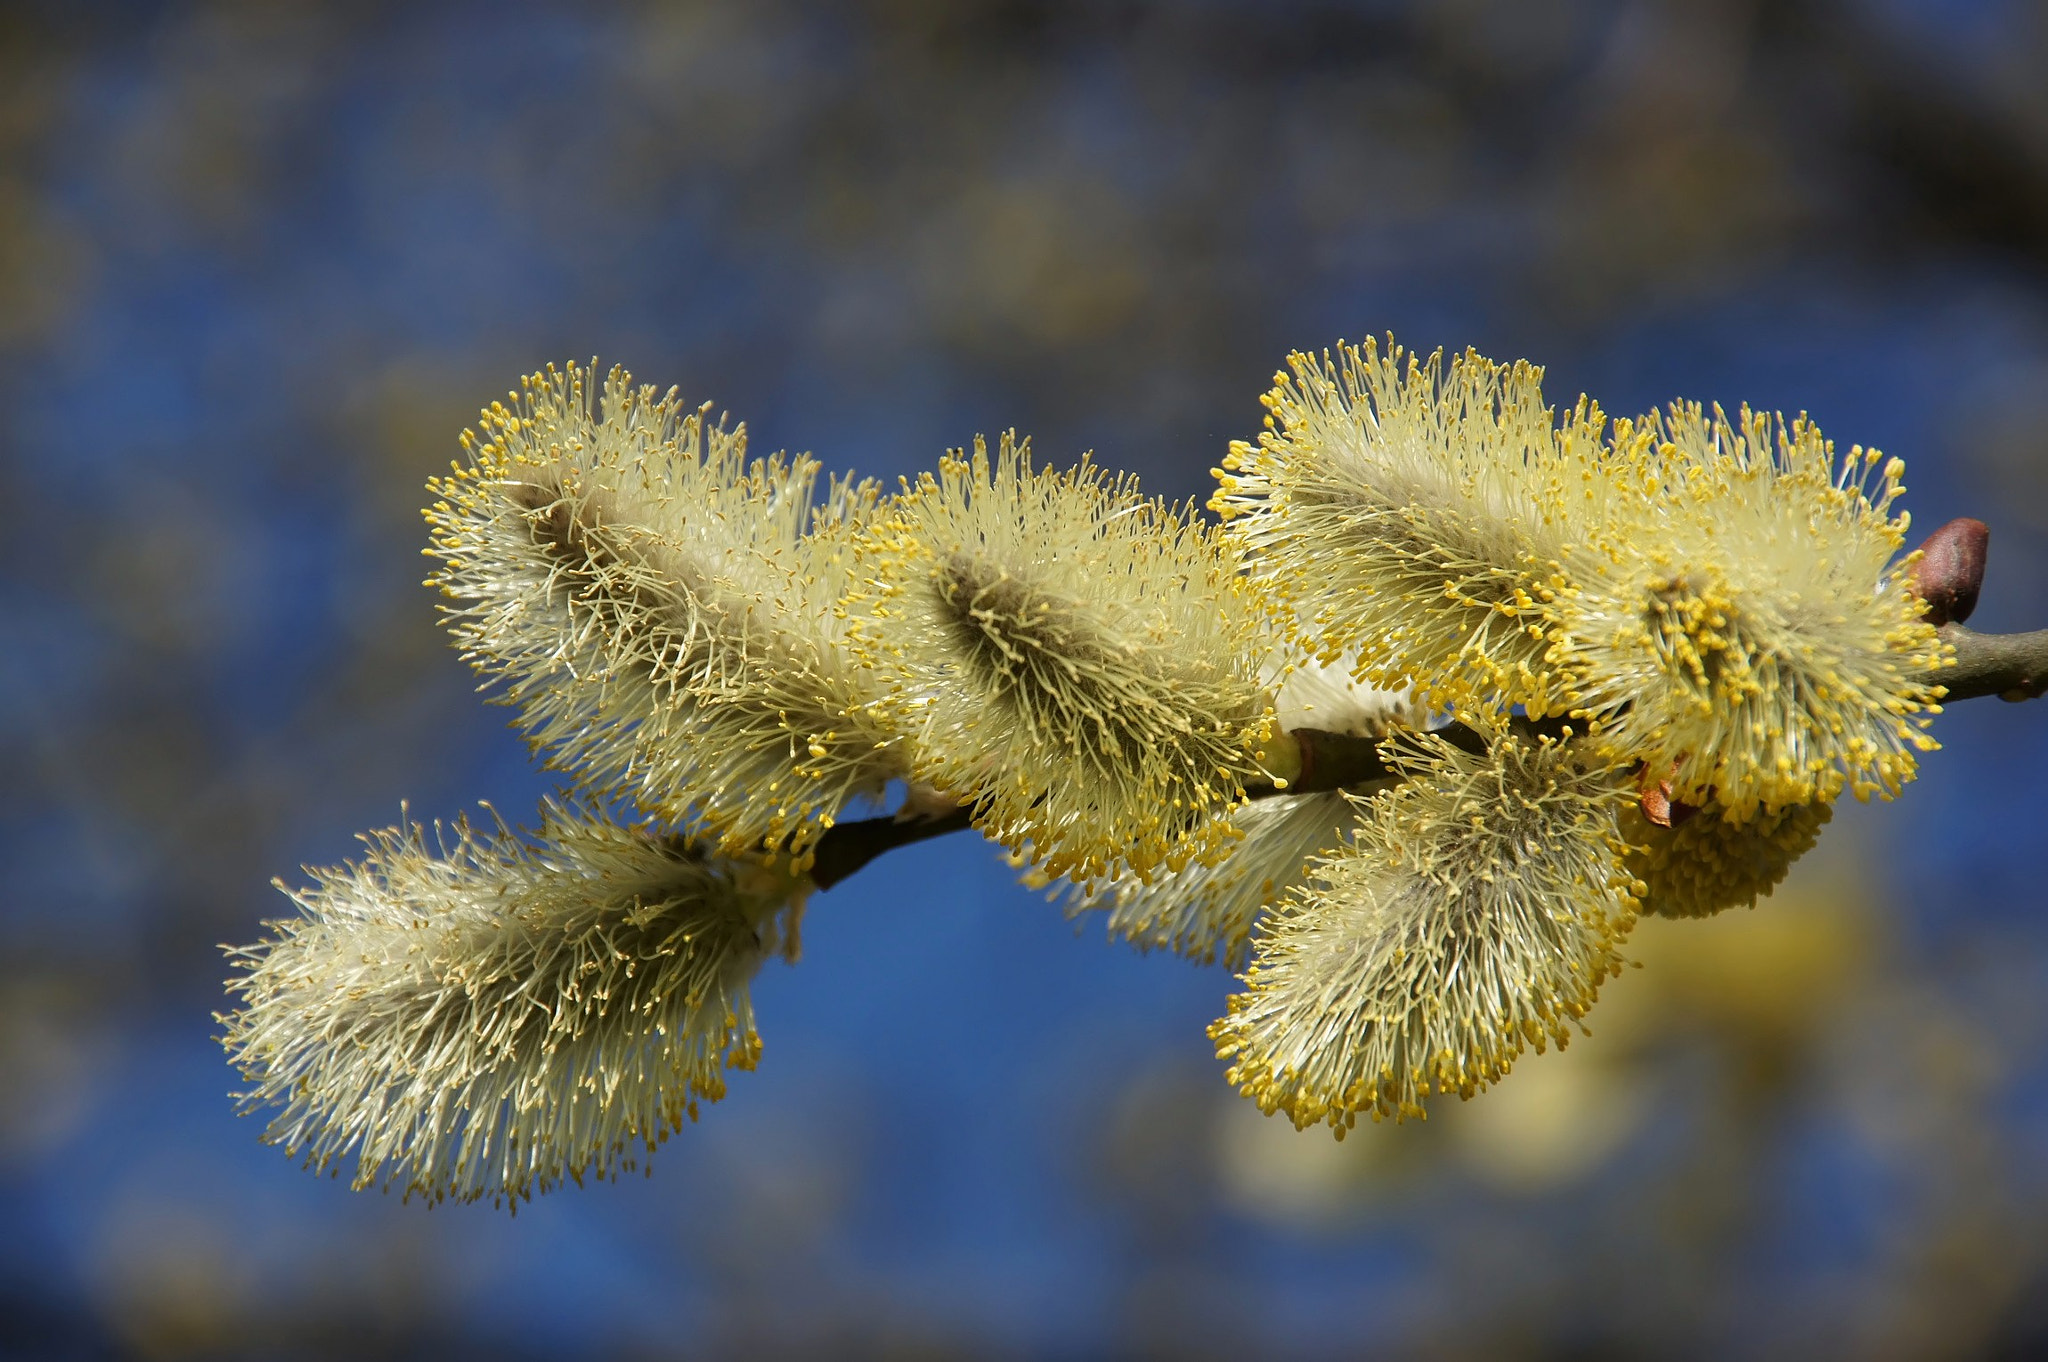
1743, 625
661, 610
1413, 510
1475, 911
488, 1017
1076, 661
1710, 862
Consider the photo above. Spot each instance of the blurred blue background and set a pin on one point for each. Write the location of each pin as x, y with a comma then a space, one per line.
260, 263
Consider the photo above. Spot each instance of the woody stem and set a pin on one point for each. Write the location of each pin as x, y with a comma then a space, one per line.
2010, 666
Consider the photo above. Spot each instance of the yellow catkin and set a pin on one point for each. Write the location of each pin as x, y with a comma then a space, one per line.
1476, 911
661, 610
1076, 661
1709, 862
1743, 624
1414, 510
487, 1018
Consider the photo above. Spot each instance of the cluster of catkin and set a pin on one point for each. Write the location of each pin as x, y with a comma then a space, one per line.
1666, 645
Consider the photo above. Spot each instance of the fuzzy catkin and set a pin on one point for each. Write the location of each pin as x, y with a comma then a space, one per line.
1412, 510
487, 1018
662, 610
1476, 911
1074, 660
1206, 911
1743, 625
741, 648
1711, 862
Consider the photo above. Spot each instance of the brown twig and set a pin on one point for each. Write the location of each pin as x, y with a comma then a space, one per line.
846, 847
2011, 666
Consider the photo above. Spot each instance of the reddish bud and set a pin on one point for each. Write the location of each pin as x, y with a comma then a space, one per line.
1658, 805
1951, 569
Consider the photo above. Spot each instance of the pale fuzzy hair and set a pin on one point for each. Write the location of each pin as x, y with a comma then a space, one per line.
1326, 695
1413, 510
1076, 661
489, 1017
1206, 911
656, 611
1743, 626
1476, 911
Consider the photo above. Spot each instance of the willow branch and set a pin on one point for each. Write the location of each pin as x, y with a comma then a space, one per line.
846, 847
2010, 666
